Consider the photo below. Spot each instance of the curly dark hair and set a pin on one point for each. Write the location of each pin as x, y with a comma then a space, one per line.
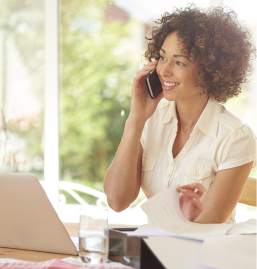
216, 39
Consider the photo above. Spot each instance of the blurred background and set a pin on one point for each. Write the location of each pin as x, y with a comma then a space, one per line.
100, 47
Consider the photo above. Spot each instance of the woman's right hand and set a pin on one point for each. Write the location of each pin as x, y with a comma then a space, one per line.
142, 106
189, 200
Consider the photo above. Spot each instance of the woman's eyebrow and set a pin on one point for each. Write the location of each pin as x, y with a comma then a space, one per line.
175, 55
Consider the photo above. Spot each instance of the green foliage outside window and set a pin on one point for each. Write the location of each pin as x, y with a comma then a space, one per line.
96, 83
96, 75
22, 44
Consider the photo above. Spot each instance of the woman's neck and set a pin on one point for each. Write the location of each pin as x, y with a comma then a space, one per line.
189, 111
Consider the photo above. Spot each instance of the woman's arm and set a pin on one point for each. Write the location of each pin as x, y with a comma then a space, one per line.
122, 180
224, 194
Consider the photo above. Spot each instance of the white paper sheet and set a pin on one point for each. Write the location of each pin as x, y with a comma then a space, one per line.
176, 253
252, 222
163, 210
229, 252
148, 230
242, 228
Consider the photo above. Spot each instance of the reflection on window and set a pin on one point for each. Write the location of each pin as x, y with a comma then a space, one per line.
21, 86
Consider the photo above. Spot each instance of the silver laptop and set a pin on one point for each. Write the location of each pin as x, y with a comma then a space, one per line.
27, 218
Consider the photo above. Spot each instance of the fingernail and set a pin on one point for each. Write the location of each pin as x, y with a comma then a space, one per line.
194, 199
183, 190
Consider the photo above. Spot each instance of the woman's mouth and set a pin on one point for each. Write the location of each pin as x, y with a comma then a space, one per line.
167, 86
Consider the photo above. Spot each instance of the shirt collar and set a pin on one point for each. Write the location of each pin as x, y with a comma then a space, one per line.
208, 121
170, 113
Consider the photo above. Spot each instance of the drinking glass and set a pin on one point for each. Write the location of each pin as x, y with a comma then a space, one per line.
93, 234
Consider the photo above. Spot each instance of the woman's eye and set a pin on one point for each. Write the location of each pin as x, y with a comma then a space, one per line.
162, 58
179, 63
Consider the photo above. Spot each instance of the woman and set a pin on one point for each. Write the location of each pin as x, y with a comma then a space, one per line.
188, 138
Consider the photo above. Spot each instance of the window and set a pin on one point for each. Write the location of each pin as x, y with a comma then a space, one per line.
22, 86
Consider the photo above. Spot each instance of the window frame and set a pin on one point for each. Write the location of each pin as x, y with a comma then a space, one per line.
51, 102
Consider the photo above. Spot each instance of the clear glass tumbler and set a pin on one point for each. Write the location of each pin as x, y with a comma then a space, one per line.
93, 234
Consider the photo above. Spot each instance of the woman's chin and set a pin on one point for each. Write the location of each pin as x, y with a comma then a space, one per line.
169, 96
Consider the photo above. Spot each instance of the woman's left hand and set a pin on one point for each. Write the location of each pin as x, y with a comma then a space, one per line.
189, 200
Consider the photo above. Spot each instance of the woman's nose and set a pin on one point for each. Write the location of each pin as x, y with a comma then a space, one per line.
166, 70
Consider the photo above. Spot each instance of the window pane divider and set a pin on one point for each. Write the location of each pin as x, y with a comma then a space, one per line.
51, 102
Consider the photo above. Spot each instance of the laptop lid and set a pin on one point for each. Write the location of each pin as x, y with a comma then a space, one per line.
27, 218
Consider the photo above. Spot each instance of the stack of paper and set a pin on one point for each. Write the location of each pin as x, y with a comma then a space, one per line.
223, 246
229, 251
163, 210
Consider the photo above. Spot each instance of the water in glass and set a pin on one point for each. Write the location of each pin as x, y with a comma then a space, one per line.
93, 248
93, 236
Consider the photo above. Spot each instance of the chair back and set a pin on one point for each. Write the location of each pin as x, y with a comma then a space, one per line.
248, 195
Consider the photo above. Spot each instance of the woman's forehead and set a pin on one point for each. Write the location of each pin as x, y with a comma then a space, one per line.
172, 43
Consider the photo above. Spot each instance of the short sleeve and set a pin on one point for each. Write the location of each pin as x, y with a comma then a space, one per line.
240, 149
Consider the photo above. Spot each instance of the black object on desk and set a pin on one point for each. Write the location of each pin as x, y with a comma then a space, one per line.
131, 251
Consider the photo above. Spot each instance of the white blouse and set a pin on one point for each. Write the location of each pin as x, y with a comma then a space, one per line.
218, 141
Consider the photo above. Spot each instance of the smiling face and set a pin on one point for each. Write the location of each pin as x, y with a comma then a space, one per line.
176, 72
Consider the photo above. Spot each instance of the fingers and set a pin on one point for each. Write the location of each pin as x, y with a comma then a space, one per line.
148, 67
195, 187
152, 63
142, 73
190, 193
139, 85
198, 203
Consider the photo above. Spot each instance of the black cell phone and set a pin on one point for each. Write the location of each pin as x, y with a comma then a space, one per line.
153, 84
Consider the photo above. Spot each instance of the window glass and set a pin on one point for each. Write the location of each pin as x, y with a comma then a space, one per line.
21, 86
100, 46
